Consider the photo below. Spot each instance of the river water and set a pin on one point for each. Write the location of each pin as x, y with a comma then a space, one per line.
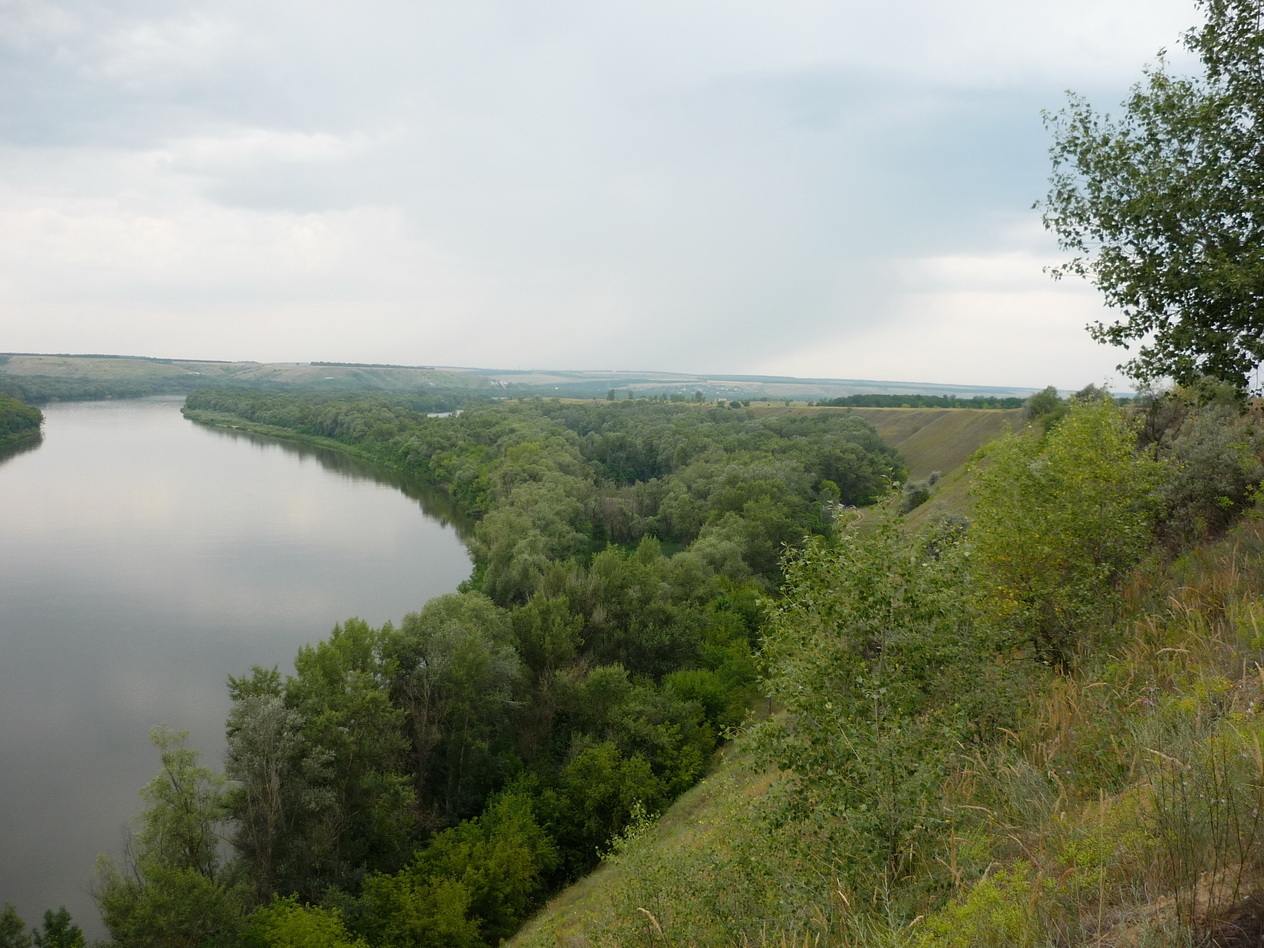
143, 559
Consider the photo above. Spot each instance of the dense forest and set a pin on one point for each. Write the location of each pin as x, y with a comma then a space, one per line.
1035, 727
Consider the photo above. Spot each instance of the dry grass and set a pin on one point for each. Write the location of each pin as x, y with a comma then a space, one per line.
937, 439
1125, 809
107, 369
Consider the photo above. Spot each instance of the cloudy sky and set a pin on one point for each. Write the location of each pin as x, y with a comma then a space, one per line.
797, 187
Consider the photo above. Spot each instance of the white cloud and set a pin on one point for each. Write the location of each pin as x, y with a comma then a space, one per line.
144, 53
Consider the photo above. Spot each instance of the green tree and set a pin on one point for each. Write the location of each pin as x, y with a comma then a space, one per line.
1057, 521
13, 929
287, 924
882, 673
412, 910
454, 676
1045, 408
185, 805
58, 931
173, 893
501, 858
599, 790
270, 765
1162, 206
18, 421
361, 810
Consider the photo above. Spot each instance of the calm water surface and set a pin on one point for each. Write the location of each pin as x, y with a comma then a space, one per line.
143, 559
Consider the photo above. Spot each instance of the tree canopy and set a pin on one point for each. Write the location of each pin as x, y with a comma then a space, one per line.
1163, 207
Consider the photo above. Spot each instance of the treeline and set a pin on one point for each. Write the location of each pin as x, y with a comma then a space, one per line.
430, 783
920, 401
18, 421
40, 389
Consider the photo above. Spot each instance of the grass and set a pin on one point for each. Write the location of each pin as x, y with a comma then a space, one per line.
1125, 807
659, 885
937, 439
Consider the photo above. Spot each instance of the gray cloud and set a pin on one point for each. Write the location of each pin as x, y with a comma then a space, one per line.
710, 186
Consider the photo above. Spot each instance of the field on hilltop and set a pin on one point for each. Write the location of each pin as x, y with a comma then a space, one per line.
48, 377
937, 439
42, 377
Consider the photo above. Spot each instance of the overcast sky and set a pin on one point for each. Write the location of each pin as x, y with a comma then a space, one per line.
797, 187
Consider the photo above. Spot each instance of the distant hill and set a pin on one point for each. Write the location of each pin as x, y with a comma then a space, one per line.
598, 383
41, 377
37, 377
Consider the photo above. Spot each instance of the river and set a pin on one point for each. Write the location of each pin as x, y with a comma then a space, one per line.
143, 559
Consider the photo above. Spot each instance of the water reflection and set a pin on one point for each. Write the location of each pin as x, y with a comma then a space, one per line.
22, 447
434, 503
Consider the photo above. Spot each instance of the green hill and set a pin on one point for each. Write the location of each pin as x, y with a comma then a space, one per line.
1103, 785
45, 377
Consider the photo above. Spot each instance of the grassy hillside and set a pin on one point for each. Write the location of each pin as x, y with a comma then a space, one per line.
931, 439
43, 377
937, 439
1110, 793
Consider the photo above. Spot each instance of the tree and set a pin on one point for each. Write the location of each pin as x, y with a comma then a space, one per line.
881, 670
173, 893
1057, 521
185, 804
269, 764
13, 929
58, 931
1162, 207
361, 808
454, 676
287, 924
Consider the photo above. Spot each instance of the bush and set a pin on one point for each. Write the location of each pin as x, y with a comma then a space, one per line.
1056, 524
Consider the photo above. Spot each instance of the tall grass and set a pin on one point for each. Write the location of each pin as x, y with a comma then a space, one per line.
1124, 806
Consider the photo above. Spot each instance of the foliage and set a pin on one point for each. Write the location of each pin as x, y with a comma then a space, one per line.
470, 885
875, 658
275, 779
555, 480
455, 673
362, 815
184, 804
1161, 206
18, 421
1115, 799
13, 929
173, 892
1214, 468
58, 931
287, 924
1057, 522
1001, 911
431, 783
168, 906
